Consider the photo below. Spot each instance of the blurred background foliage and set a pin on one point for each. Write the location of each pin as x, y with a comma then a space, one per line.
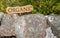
40, 6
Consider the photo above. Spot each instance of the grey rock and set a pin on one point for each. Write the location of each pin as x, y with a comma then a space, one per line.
54, 22
1, 15
49, 33
7, 27
31, 26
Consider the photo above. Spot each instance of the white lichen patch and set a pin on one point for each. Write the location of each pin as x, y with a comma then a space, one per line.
49, 33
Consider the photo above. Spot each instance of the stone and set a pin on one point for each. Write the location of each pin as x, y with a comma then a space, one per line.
1, 15
7, 27
49, 33
31, 26
54, 23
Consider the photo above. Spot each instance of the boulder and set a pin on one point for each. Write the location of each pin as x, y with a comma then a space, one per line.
27, 26
54, 23
31, 26
7, 27
49, 33
1, 15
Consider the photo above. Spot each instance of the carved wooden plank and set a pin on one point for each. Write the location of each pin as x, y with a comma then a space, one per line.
19, 9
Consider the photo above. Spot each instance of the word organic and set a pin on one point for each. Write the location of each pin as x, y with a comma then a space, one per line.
19, 9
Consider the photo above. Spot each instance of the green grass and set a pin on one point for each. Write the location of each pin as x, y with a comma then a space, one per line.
40, 6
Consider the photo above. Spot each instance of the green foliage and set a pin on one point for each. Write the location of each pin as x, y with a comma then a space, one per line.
40, 6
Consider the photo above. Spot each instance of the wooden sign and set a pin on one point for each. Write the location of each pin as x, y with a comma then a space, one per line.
19, 9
